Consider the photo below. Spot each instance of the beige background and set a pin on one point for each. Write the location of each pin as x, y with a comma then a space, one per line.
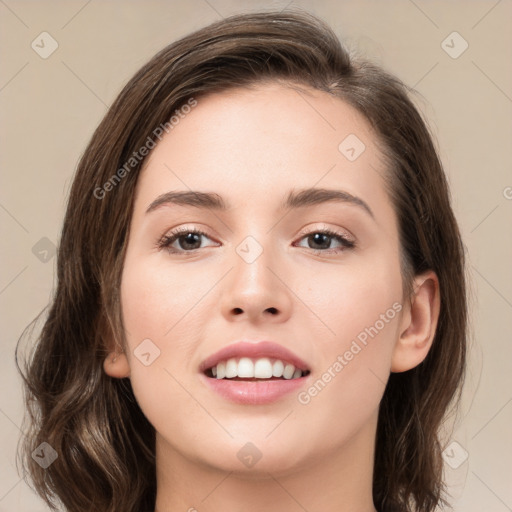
51, 106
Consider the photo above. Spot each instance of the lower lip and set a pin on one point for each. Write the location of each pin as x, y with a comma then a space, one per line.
253, 392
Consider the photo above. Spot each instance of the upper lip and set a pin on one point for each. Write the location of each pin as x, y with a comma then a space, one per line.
254, 350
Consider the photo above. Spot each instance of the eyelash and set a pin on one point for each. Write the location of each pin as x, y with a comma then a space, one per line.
168, 239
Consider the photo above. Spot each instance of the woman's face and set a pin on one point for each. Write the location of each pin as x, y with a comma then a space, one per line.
263, 270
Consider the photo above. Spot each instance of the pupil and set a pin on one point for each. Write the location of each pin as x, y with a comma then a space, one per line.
189, 239
318, 236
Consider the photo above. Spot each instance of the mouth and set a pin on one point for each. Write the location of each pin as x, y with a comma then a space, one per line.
255, 369
249, 373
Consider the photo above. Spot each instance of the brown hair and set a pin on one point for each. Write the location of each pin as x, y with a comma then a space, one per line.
105, 445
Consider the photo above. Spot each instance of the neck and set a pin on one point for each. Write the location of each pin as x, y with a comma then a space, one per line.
337, 481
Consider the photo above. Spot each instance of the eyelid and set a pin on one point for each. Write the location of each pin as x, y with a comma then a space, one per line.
348, 241
323, 227
180, 231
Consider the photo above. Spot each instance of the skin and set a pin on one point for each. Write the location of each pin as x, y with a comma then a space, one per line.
252, 146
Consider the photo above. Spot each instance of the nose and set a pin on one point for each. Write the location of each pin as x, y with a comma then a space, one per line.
256, 290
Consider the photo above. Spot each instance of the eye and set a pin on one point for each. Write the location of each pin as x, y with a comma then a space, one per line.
187, 240
320, 240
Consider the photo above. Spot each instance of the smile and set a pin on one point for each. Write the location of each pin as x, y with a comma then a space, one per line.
264, 368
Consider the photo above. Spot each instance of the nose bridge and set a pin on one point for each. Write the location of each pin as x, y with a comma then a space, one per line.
252, 259
254, 287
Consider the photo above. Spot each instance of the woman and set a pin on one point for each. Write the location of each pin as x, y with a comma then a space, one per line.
261, 294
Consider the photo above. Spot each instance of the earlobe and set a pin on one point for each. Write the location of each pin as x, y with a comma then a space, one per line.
419, 324
116, 365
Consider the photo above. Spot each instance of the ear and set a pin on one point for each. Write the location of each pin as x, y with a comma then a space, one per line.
418, 323
116, 364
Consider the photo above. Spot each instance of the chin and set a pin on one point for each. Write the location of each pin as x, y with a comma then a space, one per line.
253, 459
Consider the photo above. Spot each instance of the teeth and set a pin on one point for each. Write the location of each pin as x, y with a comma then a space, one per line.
289, 369
221, 370
231, 368
245, 367
262, 368
278, 368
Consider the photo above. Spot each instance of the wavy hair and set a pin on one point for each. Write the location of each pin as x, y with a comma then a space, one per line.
104, 443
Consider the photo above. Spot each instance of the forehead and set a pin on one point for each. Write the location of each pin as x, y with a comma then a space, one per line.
256, 143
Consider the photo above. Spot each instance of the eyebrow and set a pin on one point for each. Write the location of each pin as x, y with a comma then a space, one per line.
295, 199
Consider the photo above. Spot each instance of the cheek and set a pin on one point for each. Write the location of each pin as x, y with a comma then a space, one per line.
350, 299
156, 296
155, 301
351, 379
358, 311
